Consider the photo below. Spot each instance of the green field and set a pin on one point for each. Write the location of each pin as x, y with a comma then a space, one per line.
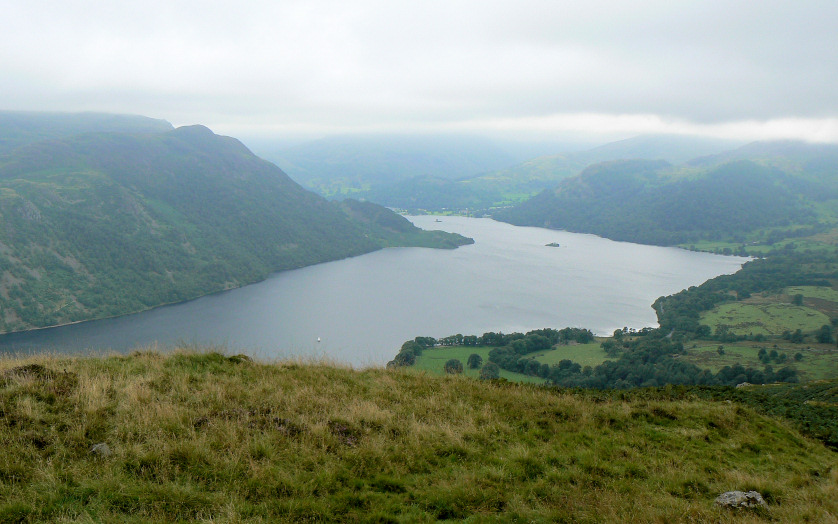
807, 243
819, 361
764, 319
823, 293
583, 354
433, 361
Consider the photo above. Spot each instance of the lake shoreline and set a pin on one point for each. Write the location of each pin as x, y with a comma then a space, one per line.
506, 281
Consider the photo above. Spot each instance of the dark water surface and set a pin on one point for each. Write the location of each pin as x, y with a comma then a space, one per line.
361, 309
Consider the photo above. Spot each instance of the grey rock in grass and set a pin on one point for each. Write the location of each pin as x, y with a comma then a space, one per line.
740, 499
101, 450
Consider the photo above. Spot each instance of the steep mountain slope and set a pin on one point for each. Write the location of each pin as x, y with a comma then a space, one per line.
110, 223
642, 201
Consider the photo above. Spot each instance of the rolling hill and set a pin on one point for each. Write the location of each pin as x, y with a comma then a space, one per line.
649, 202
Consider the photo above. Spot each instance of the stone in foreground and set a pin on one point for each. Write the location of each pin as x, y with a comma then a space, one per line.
740, 499
101, 450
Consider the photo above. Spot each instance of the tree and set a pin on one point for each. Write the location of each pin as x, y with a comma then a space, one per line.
490, 371
610, 348
404, 358
797, 300
454, 367
474, 361
825, 334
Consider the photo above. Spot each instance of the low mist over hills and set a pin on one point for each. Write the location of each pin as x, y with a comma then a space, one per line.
18, 128
107, 223
515, 183
357, 163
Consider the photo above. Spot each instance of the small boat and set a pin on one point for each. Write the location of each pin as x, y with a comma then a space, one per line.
437, 220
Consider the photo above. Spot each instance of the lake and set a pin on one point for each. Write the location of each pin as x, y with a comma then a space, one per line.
360, 310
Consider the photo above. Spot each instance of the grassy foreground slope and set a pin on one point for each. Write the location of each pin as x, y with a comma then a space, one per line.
206, 437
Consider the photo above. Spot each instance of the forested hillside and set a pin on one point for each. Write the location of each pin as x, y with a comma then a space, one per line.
644, 201
101, 224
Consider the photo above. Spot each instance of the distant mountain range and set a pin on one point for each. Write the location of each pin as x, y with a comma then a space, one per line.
775, 188
651, 189
515, 183
358, 163
106, 223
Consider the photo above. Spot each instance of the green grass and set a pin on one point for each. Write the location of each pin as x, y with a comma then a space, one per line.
204, 437
820, 292
819, 361
433, 361
764, 319
811, 243
825, 241
583, 354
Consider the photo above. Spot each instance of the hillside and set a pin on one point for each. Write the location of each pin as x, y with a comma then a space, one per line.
186, 437
647, 202
814, 162
516, 183
18, 128
102, 224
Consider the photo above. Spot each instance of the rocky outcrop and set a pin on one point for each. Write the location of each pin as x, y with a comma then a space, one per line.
740, 499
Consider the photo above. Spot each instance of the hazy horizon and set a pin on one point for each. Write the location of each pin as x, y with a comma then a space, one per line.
533, 70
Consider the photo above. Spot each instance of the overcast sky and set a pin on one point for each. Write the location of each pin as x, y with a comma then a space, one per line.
743, 69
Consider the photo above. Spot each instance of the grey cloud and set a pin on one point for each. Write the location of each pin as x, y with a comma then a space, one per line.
368, 63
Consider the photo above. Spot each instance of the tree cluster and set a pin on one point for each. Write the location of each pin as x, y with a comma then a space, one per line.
647, 360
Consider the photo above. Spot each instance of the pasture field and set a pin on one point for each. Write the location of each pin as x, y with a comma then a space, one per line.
819, 292
583, 354
819, 361
433, 361
764, 319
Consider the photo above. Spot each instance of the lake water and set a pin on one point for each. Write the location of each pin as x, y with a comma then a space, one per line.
360, 310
